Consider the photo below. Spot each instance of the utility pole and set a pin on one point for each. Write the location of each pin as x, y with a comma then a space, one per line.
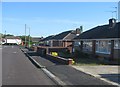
5, 34
116, 13
29, 37
25, 34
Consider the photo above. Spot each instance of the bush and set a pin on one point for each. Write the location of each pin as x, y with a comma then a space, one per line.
80, 54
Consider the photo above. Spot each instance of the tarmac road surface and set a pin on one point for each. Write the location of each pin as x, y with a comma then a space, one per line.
18, 70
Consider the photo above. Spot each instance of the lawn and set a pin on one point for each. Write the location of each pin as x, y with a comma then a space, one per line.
81, 59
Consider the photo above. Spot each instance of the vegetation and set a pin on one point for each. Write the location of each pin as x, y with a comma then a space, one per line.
3, 35
85, 59
65, 54
27, 38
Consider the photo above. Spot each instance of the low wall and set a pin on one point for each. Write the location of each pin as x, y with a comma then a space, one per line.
46, 52
60, 59
41, 51
34, 48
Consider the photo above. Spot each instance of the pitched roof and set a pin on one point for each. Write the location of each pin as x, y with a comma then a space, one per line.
101, 32
67, 35
61, 35
36, 39
48, 38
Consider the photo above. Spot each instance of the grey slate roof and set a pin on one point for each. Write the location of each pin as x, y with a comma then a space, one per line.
48, 38
67, 35
61, 35
101, 32
36, 39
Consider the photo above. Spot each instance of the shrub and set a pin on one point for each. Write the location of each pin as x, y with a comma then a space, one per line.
80, 54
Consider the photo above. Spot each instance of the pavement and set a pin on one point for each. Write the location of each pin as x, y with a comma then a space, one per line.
67, 74
108, 73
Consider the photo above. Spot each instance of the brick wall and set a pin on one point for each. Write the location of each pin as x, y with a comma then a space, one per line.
60, 59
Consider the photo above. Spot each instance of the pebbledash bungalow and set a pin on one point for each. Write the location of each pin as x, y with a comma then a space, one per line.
103, 41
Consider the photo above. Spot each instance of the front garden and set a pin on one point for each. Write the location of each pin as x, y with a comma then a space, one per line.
81, 58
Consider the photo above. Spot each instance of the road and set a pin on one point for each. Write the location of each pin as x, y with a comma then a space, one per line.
18, 70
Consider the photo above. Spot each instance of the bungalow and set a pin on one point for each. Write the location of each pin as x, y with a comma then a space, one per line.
36, 39
103, 41
46, 40
63, 39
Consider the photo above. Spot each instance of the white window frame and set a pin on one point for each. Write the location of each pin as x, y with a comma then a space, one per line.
77, 43
88, 43
99, 49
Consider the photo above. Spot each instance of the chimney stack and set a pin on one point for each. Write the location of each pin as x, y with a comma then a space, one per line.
79, 30
112, 22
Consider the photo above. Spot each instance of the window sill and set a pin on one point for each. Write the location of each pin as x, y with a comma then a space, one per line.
102, 52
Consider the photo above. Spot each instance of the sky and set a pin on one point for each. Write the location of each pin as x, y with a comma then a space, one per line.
50, 18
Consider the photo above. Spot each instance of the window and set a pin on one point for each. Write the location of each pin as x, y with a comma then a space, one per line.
87, 46
77, 43
117, 44
103, 46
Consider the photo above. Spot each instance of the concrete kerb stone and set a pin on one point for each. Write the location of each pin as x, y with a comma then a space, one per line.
48, 73
34, 61
53, 77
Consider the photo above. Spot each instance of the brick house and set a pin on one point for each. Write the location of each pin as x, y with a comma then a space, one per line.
64, 39
46, 40
101, 40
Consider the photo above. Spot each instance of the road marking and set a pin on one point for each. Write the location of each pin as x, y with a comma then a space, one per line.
14, 52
